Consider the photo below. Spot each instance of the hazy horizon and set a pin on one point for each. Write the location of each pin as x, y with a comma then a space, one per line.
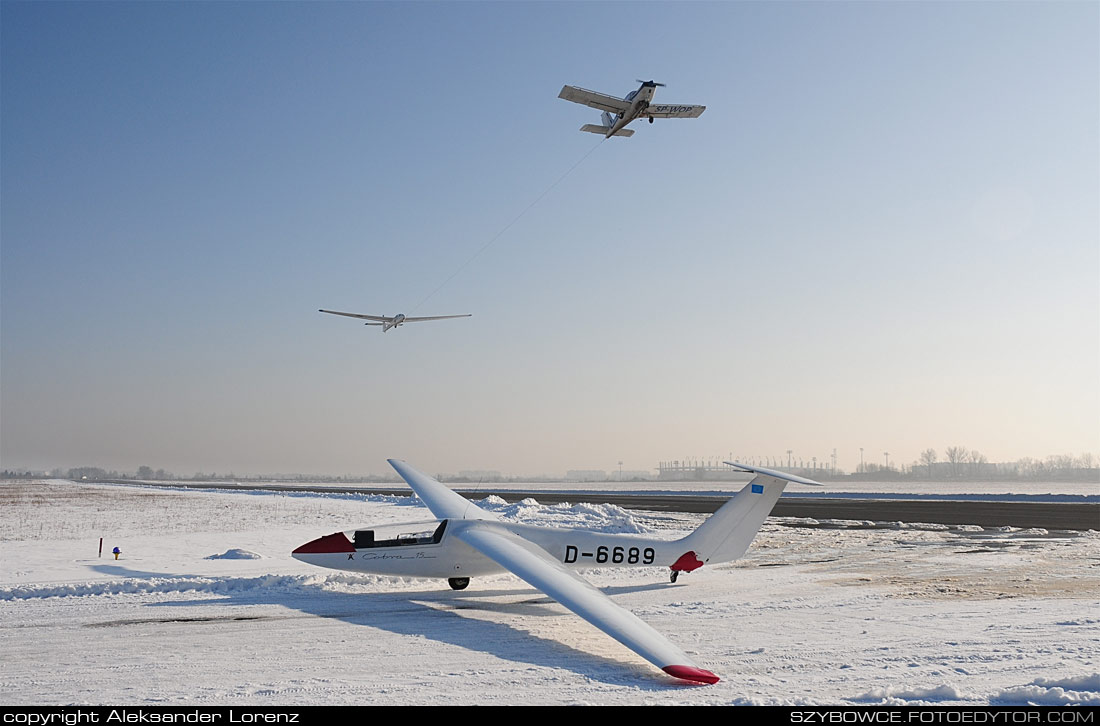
883, 232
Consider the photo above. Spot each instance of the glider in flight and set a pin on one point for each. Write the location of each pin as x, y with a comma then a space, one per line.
388, 321
470, 541
618, 112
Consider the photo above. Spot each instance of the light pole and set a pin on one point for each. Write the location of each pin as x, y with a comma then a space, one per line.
620, 472
861, 459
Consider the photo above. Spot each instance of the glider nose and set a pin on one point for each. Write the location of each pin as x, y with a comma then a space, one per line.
327, 545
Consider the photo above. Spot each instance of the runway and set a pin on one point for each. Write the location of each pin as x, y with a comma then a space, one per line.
981, 512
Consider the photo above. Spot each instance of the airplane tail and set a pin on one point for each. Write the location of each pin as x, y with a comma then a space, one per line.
727, 534
602, 130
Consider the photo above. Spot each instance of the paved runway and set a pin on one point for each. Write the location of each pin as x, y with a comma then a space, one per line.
1048, 515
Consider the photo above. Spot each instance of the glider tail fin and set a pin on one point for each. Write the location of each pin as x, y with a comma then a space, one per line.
727, 534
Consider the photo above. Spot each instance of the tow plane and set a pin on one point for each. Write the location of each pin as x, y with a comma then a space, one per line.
395, 321
467, 541
618, 112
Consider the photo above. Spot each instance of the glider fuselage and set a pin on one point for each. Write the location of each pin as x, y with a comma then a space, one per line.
467, 541
430, 549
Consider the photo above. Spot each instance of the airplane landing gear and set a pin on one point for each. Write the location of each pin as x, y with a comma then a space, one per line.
458, 583
674, 575
651, 119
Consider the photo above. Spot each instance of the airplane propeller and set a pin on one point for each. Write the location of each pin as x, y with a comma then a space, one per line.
639, 80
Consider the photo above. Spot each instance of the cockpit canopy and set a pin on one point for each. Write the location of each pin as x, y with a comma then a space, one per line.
399, 535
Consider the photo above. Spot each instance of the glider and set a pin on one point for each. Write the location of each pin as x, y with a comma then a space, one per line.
618, 112
469, 541
394, 321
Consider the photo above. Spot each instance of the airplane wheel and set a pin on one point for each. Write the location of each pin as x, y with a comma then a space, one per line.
674, 575
651, 119
458, 583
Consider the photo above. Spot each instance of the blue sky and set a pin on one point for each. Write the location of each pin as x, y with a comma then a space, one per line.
883, 232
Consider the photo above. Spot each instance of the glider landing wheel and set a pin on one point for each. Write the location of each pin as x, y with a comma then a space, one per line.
674, 575
458, 583
651, 119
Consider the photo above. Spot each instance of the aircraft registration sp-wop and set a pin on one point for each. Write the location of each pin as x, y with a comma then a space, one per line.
618, 112
468, 541
387, 321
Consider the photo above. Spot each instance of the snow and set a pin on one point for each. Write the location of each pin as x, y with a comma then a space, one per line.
205, 606
236, 554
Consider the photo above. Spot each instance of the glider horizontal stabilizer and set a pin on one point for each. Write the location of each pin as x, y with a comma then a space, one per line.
773, 473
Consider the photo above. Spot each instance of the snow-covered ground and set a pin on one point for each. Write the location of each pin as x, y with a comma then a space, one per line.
205, 606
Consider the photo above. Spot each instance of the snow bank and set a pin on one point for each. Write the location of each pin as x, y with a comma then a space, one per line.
898, 696
214, 585
236, 554
1077, 691
607, 518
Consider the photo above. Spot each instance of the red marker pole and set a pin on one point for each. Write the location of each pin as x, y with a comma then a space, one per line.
100, 546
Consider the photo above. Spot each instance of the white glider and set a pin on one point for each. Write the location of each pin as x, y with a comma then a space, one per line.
618, 112
470, 541
387, 321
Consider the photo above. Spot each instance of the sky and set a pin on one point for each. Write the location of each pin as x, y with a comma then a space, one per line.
884, 232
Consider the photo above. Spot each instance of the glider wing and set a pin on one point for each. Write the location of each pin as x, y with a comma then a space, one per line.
437, 317
443, 502
379, 318
536, 567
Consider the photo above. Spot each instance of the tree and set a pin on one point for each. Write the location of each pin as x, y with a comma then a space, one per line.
928, 458
977, 460
956, 456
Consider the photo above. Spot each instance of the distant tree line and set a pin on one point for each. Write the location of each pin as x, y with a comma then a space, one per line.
963, 463
959, 462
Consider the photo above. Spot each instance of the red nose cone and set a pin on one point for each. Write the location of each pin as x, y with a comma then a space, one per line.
690, 673
326, 545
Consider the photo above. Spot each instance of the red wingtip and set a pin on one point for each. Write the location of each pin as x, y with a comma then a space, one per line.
691, 673
328, 544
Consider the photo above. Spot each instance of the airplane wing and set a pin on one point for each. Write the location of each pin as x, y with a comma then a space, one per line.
669, 110
596, 100
443, 502
437, 317
380, 318
536, 567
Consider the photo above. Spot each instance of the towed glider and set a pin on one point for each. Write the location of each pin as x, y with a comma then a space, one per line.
618, 112
470, 541
387, 321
